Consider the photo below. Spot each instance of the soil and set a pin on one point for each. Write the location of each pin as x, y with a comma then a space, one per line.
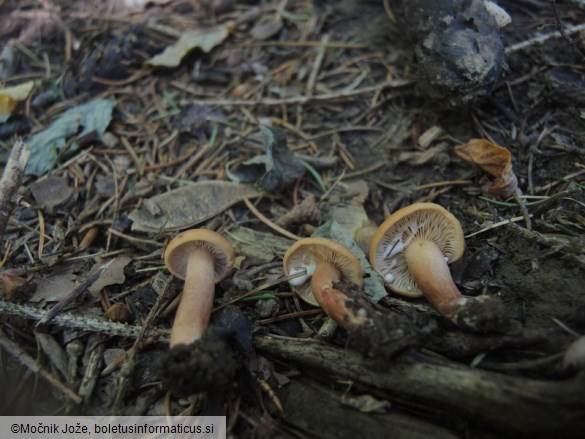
339, 80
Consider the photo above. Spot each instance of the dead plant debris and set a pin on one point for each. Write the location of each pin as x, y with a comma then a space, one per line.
124, 123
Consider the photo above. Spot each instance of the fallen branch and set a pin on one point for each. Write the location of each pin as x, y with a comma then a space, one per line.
502, 402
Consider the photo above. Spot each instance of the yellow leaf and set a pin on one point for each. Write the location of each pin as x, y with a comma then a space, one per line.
11, 96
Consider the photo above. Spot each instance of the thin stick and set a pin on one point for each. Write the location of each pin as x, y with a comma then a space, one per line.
28, 361
10, 181
333, 96
76, 321
269, 223
496, 225
327, 45
542, 38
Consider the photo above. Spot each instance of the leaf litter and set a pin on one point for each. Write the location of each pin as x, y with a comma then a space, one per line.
145, 145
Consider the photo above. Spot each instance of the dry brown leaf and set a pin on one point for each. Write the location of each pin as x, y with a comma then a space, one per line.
51, 192
189, 205
495, 160
113, 275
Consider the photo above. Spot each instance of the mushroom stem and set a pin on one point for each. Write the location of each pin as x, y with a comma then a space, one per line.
333, 301
194, 310
429, 267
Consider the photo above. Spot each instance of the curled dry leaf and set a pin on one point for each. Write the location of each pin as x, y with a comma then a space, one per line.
494, 160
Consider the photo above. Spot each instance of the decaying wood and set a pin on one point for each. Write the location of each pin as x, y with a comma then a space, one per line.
335, 420
497, 401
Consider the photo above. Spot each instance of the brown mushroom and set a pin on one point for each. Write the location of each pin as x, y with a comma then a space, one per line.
202, 258
411, 250
325, 264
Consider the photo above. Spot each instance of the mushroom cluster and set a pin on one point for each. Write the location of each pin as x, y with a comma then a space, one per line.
411, 250
330, 275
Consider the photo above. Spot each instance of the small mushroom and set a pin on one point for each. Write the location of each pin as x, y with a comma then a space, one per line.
411, 250
202, 258
325, 264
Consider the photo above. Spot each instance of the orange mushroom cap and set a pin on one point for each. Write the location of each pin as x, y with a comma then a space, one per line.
426, 221
307, 253
177, 252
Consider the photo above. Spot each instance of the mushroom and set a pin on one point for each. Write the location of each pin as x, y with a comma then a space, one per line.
411, 250
324, 265
202, 258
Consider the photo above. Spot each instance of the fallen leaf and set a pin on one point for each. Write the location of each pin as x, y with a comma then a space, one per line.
113, 275
189, 205
204, 39
45, 146
258, 247
495, 160
54, 352
266, 29
274, 170
10, 97
51, 192
195, 119
57, 286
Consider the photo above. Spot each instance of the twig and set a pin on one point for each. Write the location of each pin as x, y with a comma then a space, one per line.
28, 361
499, 224
569, 40
316, 66
542, 38
333, 96
269, 223
74, 294
76, 321
389, 11
10, 181
522, 205
327, 45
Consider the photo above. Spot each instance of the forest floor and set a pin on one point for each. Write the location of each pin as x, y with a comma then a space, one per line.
128, 148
